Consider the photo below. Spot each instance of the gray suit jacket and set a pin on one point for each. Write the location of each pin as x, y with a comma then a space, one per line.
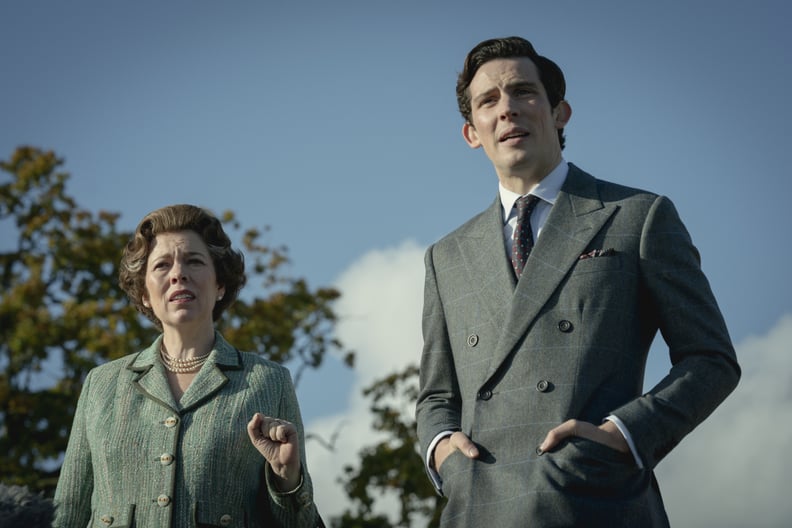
136, 457
506, 361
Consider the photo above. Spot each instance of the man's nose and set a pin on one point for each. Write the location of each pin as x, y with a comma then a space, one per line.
508, 107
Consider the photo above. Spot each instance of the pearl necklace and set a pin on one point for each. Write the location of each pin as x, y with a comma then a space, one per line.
182, 366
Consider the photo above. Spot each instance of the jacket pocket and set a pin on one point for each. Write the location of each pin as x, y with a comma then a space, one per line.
113, 516
597, 264
221, 515
587, 468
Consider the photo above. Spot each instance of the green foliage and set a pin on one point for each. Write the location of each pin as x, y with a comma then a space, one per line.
393, 465
62, 312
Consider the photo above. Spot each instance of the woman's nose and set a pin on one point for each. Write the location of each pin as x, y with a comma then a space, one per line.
177, 274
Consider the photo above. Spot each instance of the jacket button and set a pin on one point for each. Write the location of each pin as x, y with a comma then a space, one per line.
304, 499
163, 500
485, 395
106, 519
472, 340
543, 386
225, 520
166, 459
565, 326
171, 421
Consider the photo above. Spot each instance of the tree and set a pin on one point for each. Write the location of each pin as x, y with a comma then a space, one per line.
393, 465
62, 312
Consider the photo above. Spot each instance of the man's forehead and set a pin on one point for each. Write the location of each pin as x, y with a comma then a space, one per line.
513, 70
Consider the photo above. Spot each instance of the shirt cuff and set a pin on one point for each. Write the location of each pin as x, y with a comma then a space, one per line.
626, 434
434, 476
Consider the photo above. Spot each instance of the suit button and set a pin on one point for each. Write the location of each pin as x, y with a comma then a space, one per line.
485, 395
163, 500
171, 421
225, 520
106, 519
166, 459
472, 340
565, 326
543, 386
304, 499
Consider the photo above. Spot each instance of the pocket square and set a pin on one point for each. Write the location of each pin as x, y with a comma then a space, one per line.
594, 253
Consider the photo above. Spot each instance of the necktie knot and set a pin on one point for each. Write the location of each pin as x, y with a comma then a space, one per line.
523, 235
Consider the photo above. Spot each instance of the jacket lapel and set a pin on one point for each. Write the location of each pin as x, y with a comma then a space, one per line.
152, 381
212, 377
576, 217
486, 262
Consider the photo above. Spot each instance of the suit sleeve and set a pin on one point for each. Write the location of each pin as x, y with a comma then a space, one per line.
704, 365
438, 408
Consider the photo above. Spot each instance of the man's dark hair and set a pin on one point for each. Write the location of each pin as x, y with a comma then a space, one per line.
550, 75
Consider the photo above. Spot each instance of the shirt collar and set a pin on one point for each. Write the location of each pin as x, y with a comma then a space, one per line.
547, 189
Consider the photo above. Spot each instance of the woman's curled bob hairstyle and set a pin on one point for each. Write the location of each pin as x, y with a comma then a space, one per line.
229, 264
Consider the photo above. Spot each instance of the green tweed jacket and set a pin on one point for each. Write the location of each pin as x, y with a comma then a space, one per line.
136, 457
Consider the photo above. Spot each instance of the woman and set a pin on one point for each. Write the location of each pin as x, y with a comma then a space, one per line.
159, 437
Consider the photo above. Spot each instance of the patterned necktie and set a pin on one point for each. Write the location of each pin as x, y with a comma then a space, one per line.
523, 237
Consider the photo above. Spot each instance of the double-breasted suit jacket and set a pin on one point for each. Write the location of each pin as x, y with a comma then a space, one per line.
136, 457
505, 361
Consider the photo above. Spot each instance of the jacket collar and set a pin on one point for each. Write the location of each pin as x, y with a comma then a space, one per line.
152, 381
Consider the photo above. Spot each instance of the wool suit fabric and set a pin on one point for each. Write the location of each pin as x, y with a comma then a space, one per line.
136, 457
505, 361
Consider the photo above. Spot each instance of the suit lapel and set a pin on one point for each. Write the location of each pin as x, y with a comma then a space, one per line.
486, 262
576, 217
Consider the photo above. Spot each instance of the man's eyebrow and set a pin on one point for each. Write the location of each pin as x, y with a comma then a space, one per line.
484, 94
523, 84
509, 86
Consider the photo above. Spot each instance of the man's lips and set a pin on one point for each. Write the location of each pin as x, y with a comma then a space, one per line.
513, 134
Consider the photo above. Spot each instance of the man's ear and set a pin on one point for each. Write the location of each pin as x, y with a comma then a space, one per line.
562, 113
470, 135
145, 302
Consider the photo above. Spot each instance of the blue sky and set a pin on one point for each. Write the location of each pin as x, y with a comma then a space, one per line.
336, 125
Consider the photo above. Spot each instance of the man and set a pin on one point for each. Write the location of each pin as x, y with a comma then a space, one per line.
537, 324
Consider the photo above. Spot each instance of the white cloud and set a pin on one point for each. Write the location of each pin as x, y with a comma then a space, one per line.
380, 319
734, 470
